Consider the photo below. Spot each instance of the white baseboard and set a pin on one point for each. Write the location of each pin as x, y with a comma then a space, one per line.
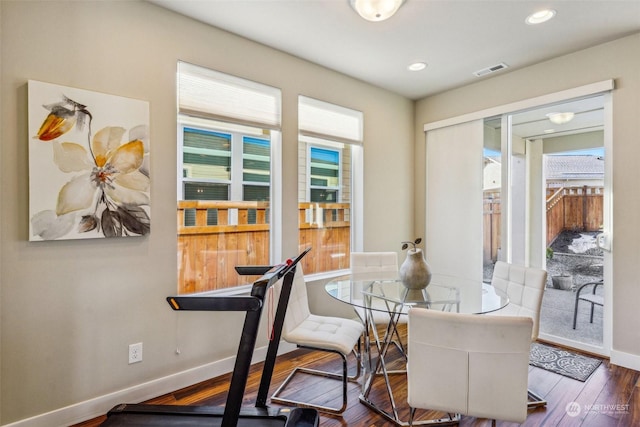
626, 360
100, 405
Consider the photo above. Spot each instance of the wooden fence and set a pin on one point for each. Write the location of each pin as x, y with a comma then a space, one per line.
215, 236
326, 228
491, 225
568, 208
573, 208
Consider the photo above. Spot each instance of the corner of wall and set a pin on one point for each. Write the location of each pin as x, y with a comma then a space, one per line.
1, 240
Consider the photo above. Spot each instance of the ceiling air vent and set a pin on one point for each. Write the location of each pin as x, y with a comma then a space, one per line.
489, 70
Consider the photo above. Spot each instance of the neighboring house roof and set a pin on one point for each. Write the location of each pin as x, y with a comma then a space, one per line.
574, 167
557, 168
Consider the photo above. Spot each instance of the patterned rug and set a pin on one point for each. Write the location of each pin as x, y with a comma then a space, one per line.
563, 362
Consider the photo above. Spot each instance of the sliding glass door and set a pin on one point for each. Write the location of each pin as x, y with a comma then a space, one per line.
491, 195
555, 207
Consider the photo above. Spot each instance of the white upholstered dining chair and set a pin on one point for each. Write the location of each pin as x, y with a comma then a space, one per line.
468, 364
377, 266
525, 288
374, 265
335, 335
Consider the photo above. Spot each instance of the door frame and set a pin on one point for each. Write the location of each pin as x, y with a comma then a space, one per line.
530, 250
605, 244
605, 88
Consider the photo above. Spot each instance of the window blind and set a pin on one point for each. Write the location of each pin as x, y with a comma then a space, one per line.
214, 95
321, 119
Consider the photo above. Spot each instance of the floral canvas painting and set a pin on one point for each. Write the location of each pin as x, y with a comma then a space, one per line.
88, 164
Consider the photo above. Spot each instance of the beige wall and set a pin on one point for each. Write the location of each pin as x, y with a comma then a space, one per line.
618, 60
71, 308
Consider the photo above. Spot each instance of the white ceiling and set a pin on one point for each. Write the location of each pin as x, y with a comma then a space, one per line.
455, 37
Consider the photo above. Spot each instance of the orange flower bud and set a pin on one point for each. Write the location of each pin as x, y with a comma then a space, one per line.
58, 122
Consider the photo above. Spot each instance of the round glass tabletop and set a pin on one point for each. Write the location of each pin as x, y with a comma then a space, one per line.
392, 296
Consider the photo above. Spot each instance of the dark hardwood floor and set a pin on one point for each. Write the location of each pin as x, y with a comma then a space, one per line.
610, 397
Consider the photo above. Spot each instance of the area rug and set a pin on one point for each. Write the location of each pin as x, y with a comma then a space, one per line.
563, 362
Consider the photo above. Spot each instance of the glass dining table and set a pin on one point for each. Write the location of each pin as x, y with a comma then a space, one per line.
390, 300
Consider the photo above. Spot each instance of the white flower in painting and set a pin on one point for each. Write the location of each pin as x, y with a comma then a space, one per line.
112, 172
109, 189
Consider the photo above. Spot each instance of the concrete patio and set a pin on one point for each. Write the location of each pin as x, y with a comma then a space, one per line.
576, 254
556, 317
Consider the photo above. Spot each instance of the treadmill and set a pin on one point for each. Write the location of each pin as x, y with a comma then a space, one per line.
233, 413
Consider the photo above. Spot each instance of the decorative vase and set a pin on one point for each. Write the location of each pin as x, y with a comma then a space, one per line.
414, 272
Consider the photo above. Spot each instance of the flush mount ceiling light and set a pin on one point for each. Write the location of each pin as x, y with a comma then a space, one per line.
417, 66
540, 17
376, 10
560, 118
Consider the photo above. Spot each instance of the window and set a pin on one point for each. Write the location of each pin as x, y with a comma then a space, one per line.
324, 174
227, 129
256, 169
330, 167
209, 165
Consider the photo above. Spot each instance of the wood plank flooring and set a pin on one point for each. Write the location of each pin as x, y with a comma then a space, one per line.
610, 397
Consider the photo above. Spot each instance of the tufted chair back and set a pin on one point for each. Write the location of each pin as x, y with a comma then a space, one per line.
525, 288
468, 364
374, 265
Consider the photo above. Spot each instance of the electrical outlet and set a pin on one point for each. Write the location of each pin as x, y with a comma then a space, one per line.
135, 353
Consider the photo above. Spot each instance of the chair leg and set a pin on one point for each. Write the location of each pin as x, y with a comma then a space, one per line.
412, 413
575, 313
535, 400
344, 377
359, 362
453, 419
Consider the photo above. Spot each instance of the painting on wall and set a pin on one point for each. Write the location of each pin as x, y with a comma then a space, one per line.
88, 164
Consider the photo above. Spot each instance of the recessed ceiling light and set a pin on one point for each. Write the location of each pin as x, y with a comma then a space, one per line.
417, 66
549, 130
540, 17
